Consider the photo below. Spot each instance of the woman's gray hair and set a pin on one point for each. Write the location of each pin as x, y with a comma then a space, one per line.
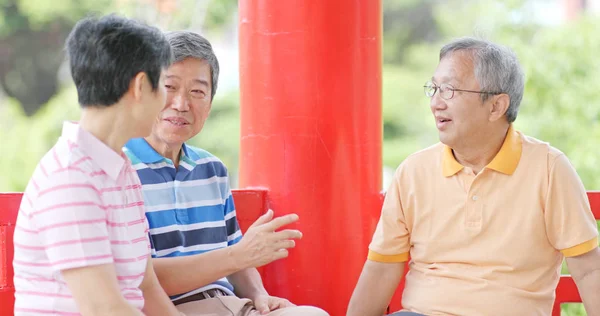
497, 69
187, 44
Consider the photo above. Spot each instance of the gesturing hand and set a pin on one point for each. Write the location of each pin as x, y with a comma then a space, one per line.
261, 244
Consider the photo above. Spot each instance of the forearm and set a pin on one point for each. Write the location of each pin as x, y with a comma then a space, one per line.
375, 288
247, 283
589, 289
179, 275
157, 303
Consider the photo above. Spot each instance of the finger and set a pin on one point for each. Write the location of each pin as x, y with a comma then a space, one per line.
285, 244
287, 234
280, 221
261, 306
276, 303
265, 218
280, 254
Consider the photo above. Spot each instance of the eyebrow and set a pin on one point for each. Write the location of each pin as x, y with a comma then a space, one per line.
200, 81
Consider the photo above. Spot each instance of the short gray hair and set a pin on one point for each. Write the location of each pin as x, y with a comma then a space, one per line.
497, 69
187, 44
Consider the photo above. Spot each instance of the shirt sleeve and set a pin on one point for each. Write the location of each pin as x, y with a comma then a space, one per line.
390, 241
570, 223
71, 221
234, 233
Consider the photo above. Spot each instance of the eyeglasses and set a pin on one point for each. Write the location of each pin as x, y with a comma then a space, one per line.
447, 91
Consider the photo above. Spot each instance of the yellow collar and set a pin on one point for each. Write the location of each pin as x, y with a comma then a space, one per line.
505, 161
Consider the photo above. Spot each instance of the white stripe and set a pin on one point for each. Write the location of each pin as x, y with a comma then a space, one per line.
159, 165
186, 165
165, 252
207, 160
234, 236
230, 215
181, 206
172, 228
183, 184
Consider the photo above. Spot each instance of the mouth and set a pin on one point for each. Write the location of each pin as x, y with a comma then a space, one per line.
177, 121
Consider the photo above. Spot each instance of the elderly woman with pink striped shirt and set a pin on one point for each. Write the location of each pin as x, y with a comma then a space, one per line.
81, 244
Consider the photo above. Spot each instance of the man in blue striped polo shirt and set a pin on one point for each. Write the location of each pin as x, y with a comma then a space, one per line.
200, 256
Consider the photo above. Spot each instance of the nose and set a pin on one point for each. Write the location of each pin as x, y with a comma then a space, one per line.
180, 103
436, 103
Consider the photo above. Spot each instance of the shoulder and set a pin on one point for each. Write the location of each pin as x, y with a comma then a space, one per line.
540, 150
425, 159
205, 162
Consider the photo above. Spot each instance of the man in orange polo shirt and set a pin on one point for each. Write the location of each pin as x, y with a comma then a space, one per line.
488, 214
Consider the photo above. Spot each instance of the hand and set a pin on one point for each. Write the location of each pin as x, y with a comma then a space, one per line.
265, 303
261, 244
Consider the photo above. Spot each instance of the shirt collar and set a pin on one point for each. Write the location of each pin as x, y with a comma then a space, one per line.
107, 159
505, 161
142, 150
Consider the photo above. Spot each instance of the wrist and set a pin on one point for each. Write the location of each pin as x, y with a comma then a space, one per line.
236, 257
256, 293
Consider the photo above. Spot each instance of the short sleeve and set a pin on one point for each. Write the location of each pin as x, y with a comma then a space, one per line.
390, 241
570, 224
69, 217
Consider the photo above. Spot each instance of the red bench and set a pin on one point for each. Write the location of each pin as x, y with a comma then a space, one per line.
250, 204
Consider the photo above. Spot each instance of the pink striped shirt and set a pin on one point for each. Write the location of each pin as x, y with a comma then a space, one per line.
82, 207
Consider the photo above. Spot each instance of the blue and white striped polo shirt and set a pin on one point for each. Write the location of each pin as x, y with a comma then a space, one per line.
190, 209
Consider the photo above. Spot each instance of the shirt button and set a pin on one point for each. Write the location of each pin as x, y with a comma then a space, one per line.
475, 197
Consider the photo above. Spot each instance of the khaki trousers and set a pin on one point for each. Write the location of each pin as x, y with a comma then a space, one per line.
235, 306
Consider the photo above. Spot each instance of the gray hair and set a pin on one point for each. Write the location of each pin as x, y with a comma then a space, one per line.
187, 44
497, 69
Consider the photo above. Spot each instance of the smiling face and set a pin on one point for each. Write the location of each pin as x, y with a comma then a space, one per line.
188, 103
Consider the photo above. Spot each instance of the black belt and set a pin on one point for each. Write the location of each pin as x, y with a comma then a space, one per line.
212, 293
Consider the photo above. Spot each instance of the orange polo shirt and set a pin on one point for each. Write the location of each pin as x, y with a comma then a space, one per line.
485, 244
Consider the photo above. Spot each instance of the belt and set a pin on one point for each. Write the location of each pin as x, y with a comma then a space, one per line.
212, 293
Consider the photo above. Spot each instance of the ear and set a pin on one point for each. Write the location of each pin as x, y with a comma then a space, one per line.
499, 107
138, 85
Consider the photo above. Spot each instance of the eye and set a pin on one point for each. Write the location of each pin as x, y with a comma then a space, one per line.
198, 93
170, 87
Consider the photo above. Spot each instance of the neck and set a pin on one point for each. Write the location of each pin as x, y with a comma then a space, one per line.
479, 154
106, 124
168, 151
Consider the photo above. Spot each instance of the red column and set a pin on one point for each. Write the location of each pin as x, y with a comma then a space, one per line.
311, 133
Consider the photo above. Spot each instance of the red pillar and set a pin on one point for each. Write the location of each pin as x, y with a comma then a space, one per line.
311, 133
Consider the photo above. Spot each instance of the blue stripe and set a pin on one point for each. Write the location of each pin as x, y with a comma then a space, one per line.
194, 215
212, 235
202, 171
232, 226
234, 241
154, 176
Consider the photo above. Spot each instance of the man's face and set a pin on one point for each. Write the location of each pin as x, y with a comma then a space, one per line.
188, 102
461, 118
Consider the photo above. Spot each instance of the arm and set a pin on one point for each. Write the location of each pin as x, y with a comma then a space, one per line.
156, 301
585, 270
96, 291
376, 286
183, 274
259, 246
388, 253
247, 283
